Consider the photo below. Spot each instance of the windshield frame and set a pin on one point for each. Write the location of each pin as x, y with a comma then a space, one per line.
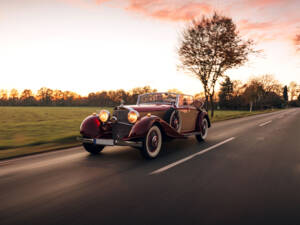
157, 103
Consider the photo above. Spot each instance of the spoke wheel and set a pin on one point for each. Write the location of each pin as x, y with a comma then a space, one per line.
152, 143
204, 131
175, 121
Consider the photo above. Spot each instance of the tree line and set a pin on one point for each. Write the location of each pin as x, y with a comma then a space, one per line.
48, 97
262, 92
258, 93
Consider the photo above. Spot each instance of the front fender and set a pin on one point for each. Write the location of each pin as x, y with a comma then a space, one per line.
141, 128
91, 127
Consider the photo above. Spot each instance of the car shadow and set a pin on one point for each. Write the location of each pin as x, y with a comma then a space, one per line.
177, 147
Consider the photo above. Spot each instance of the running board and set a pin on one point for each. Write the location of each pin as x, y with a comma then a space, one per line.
191, 134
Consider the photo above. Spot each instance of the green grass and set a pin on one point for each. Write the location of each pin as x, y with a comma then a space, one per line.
26, 130
232, 114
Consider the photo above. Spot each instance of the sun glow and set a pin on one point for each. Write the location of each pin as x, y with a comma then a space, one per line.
93, 46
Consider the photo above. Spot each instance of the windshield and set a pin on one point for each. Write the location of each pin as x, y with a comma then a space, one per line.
157, 98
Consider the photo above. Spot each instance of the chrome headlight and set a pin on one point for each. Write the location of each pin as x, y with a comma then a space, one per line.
104, 116
133, 116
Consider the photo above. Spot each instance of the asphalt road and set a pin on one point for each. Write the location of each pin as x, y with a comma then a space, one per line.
247, 172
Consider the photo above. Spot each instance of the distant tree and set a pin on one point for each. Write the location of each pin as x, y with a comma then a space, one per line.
13, 97
3, 95
27, 97
293, 90
285, 93
174, 90
225, 93
45, 96
209, 47
270, 84
253, 93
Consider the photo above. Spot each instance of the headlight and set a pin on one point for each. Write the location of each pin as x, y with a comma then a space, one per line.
104, 116
133, 116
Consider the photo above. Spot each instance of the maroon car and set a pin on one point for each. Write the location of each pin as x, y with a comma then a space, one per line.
156, 117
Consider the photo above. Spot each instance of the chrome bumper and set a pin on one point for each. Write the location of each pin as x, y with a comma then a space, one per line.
109, 142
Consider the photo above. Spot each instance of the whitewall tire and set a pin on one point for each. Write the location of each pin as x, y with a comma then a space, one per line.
204, 131
152, 143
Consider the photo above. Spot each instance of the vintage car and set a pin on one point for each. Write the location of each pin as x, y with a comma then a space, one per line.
155, 118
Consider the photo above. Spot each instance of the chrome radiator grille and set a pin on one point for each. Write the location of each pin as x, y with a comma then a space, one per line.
121, 115
120, 130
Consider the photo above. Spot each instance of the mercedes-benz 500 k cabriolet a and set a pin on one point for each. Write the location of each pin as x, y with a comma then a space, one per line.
155, 118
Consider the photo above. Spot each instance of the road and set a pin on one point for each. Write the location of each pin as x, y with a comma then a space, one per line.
247, 172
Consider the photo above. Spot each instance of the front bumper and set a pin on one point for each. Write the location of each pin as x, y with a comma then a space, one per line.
109, 142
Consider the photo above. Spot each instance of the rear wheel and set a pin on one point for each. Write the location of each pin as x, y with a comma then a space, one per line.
204, 131
152, 143
93, 149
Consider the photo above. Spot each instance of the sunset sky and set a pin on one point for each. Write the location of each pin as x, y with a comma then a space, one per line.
92, 45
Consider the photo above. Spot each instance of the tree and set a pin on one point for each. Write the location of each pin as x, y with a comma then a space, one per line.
174, 90
209, 47
293, 90
285, 93
27, 97
253, 93
45, 95
226, 93
270, 84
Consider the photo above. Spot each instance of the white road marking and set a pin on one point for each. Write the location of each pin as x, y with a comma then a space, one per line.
190, 157
265, 123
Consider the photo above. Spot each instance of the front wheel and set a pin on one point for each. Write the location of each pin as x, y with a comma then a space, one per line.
204, 131
93, 149
152, 143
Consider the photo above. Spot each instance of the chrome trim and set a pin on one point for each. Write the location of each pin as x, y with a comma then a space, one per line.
127, 124
116, 142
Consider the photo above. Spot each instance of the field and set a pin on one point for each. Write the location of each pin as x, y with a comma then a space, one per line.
25, 130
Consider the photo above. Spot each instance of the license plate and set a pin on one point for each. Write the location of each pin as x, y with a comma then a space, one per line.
104, 141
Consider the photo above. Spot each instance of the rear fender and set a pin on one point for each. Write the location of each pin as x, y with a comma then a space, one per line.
201, 116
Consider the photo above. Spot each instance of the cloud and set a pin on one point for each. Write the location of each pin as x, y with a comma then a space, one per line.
297, 42
249, 26
170, 10
262, 3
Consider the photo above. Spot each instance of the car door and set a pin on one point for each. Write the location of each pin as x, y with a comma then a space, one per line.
188, 113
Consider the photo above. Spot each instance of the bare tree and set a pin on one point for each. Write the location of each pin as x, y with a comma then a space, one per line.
209, 47
270, 84
293, 89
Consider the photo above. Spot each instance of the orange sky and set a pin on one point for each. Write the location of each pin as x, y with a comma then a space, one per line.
92, 45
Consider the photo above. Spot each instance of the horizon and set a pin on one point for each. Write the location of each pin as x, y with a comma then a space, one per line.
97, 45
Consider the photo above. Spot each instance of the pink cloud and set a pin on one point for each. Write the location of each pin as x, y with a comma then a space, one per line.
261, 3
247, 25
167, 10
